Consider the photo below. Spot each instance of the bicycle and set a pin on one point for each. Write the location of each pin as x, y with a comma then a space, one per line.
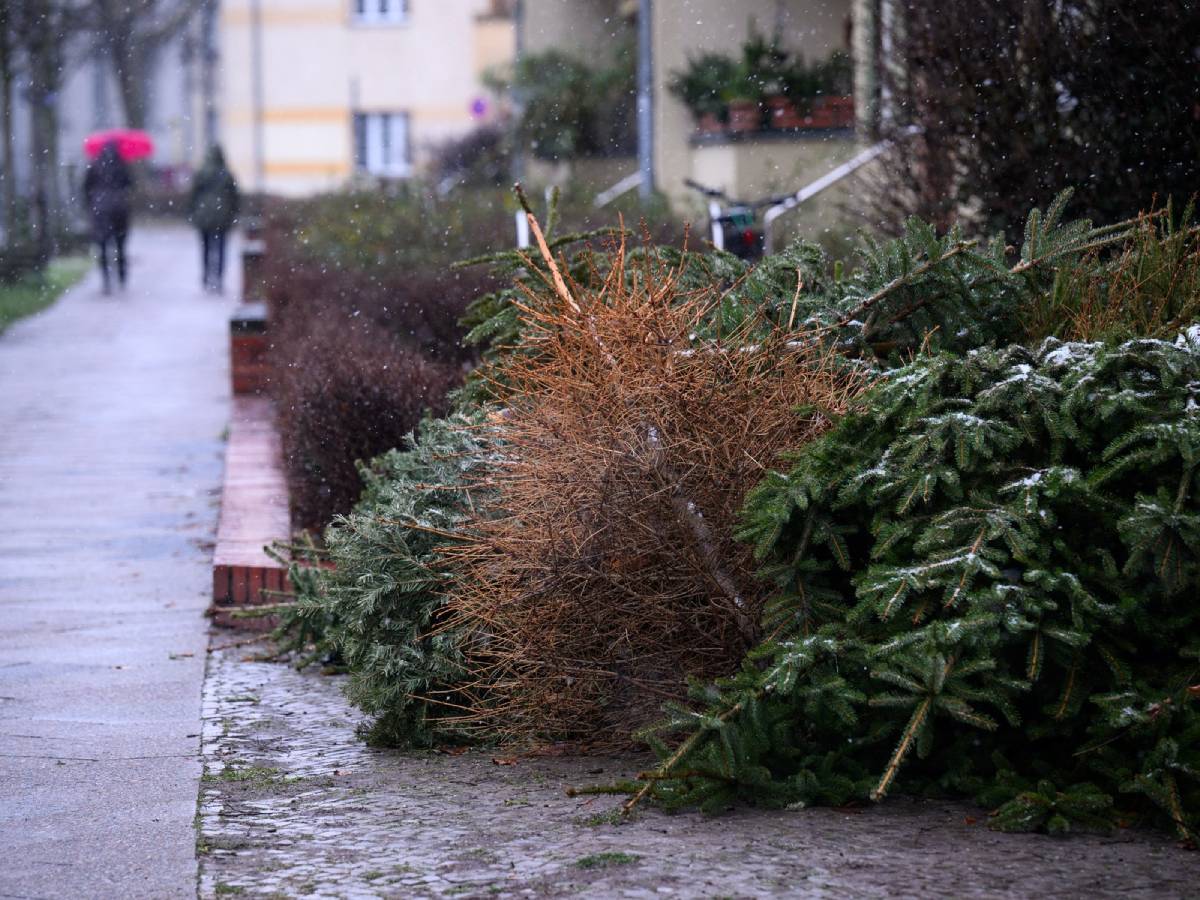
734, 224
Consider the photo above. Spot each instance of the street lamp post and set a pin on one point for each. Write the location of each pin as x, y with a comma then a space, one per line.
645, 99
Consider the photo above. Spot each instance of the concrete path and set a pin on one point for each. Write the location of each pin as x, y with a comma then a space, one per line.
111, 414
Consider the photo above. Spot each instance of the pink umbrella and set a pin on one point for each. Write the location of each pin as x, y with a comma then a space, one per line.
131, 143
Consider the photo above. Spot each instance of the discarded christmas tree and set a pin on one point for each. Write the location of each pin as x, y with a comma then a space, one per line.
603, 570
986, 583
374, 596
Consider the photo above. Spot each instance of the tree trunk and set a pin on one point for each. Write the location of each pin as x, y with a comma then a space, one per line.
45, 70
9, 172
45, 182
131, 62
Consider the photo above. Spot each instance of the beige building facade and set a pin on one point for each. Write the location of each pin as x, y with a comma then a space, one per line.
316, 94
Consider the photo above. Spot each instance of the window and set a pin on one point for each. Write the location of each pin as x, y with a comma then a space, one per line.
380, 12
381, 143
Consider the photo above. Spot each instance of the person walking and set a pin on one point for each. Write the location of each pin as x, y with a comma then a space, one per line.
213, 208
106, 186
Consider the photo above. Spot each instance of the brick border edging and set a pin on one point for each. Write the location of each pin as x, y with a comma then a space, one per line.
254, 514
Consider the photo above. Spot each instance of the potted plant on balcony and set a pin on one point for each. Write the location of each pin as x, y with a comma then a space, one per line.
744, 97
702, 86
745, 110
832, 86
789, 108
760, 76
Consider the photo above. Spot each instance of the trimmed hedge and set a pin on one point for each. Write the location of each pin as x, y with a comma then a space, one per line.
364, 343
345, 395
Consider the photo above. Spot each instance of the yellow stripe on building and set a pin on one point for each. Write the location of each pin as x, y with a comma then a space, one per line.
242, 17
282, 115
310, 114
328, 167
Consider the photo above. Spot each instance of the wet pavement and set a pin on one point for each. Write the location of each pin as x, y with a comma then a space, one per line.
111, 413
294, 805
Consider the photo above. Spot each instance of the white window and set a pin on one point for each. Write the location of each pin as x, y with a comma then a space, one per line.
380, 12
381, 143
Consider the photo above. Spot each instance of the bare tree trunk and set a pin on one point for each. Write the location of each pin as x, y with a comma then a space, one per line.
45, 69
9, 172
46, 203
133, 32
131, 67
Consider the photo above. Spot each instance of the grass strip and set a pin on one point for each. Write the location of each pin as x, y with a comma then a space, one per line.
34, 292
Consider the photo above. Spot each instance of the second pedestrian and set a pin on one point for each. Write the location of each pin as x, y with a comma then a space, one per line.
213, 208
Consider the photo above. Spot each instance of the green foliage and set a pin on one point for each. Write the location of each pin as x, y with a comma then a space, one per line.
761, 70
711, 81
374, 599
999, 552
570, 108
378, 231
984, 577
1150, 289
925, 290
305, 628
918, 290
833, 76
1045, 808
701, 85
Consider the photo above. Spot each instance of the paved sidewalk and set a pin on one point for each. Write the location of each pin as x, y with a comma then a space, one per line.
111, 413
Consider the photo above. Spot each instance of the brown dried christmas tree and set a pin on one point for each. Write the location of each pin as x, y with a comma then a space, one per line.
605, 572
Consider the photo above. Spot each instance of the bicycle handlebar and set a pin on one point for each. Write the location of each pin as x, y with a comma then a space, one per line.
706, 191
721, 195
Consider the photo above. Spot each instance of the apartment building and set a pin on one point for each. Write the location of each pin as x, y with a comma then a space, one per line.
319, 93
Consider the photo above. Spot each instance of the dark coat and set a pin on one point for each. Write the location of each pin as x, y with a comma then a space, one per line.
106, 190
213, 205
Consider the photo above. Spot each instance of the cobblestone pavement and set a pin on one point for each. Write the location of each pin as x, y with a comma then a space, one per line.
294, 805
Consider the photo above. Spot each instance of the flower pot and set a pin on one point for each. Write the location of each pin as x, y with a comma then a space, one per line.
744, 115
783, 113
843, 109
820, 117
710, 123
832, 112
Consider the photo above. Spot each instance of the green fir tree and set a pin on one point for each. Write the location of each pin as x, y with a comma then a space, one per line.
996, 558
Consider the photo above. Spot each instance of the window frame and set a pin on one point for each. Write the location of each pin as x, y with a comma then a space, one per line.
375, 151
379, 13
